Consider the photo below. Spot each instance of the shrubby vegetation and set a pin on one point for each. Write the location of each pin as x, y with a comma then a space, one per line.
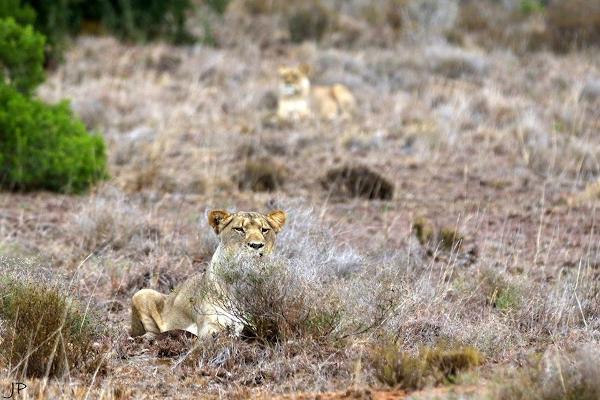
436, 365
47, 333
42, 146
46, 147
570, 375
279, 299
21, 56
135, 20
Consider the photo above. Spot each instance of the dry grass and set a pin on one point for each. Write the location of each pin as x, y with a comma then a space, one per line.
471, 135
46, 333
557, 375
431, 366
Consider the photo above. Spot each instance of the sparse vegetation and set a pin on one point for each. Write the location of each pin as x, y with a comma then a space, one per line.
277, 303
114, 224
450, 238
308, 21
424, 230
431, 366
358, 181
47, 333
573, 23
556, 375
442, 237
261, 175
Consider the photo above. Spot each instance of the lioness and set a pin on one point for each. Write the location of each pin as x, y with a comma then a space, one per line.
297, 99
188, 307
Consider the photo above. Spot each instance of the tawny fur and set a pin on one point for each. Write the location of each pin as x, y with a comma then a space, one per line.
297, 99
187, 307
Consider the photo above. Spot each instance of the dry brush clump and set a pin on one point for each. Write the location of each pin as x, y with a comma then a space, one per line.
556, 375
528, 25
314, 288
302, 309
436, 365
275, 302
261, 175
573, 24
45, 331
358, 181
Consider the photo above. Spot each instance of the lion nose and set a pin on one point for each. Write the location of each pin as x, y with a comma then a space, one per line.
256, 245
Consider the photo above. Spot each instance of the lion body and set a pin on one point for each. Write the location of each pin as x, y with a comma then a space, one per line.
189, 307
298, 99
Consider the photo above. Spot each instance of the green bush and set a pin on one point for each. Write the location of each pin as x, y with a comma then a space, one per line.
21, 56
529, 7
22, 14
44, 147
136, 20
56, 20
47, 333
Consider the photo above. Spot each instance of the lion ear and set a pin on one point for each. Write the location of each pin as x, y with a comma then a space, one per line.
305, 69
216, 219
276, 219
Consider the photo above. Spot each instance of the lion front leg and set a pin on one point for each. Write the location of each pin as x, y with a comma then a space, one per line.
146, 313
214, 319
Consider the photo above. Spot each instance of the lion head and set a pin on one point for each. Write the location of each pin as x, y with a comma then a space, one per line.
247, 232
293, 81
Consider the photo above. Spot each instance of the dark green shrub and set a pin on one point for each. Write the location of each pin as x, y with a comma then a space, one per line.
129, 19
44, 147
56, 20
138, 19
21, 56
23, 14
47, 333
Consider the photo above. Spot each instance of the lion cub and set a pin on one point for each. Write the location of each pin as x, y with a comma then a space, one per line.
298, 100
188, 307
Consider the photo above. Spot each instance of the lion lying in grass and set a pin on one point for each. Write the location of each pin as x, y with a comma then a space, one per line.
189, 307
297, 99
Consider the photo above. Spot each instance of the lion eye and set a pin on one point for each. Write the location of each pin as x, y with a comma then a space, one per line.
239, 229
265, 230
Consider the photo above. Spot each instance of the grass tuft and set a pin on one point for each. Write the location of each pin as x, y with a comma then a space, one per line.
450, 238
556, 376
424, 230
47, 332
261, 175
308, 22
431, 366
